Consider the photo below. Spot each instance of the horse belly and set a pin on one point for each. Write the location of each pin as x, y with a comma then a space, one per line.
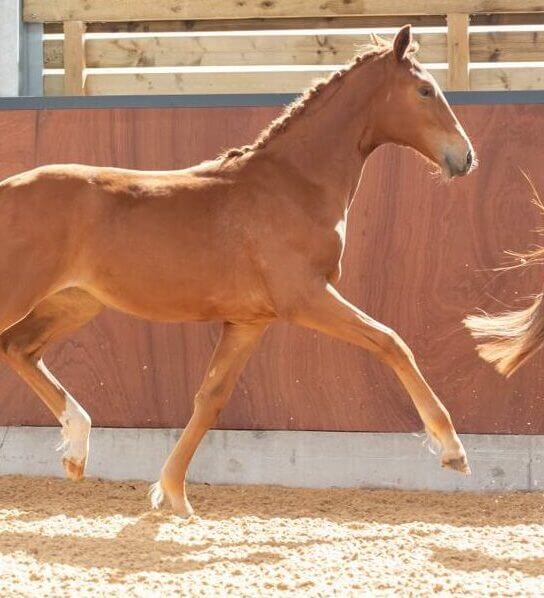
170, 255
187, 288
193, 304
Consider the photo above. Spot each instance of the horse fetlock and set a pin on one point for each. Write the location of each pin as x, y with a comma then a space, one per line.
453, 453
75, 470
76, 428
459, 463
456, 459
180, 505
171, 487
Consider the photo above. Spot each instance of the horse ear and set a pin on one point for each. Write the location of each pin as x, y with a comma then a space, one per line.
402, 42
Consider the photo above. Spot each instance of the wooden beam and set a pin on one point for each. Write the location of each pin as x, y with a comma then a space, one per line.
257, 24
231, 50
496, 79
458, 52
195, 83
143, 83
152, 10
534, 18
301, 23
490, 46
507, 46
74, 58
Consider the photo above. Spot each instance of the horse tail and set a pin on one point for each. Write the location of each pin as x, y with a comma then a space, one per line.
156, 494
511, 337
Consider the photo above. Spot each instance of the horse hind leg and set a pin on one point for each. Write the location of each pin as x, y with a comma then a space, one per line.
22, 346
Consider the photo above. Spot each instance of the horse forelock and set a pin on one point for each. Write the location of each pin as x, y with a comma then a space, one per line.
364, 55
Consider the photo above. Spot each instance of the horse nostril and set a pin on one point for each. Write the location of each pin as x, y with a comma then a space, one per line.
470, 157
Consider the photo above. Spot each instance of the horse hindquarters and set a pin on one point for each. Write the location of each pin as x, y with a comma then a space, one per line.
35, 247
40, 240
22, 347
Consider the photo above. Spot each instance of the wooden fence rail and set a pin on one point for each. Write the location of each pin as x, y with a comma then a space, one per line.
232, 50
170, 47
44, 11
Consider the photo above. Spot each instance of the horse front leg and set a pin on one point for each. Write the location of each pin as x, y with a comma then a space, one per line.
230, 356
328, 312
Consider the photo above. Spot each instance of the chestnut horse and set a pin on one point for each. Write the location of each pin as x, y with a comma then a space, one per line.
251, 237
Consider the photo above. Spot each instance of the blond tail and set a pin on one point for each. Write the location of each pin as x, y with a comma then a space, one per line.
156, 494
511, 338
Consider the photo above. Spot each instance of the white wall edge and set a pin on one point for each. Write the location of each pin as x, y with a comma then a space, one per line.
287, 458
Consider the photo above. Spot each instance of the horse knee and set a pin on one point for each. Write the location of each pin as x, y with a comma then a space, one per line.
208, 404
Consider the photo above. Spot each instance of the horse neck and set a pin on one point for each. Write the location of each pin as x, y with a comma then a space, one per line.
329, 141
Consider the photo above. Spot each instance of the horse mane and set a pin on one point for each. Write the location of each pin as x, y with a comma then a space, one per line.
366, 54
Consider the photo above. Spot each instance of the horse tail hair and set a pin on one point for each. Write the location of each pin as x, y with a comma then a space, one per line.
511, 338
156, 494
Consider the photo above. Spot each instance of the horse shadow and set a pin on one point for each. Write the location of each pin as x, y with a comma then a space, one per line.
143, 544
471, 561
139, 548
136, 549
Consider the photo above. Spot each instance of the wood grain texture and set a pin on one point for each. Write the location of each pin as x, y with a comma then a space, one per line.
192, 82
419, 257
507, 46
506, 78
231, 50
45, 11
257, 24
74, 58
196, 82
458, 52
301, 23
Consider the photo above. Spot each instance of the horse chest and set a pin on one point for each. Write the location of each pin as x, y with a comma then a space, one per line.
326, 250
338, 243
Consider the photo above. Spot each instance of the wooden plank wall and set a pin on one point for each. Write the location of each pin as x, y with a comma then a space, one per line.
155, 10
418, 258
166, 65
166, 47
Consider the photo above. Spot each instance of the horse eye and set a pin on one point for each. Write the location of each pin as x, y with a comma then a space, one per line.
425, 92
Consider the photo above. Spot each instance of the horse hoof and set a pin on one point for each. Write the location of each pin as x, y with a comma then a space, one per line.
75, 470
177, 499
459, 464
181, 506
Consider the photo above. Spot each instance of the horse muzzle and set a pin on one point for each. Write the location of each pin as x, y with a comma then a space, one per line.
456, 164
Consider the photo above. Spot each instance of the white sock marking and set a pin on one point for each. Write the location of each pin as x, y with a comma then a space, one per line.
76, 427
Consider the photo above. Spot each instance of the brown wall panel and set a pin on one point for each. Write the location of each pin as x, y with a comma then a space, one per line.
418, 258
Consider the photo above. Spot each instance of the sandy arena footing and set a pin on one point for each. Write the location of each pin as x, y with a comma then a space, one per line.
99, 538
